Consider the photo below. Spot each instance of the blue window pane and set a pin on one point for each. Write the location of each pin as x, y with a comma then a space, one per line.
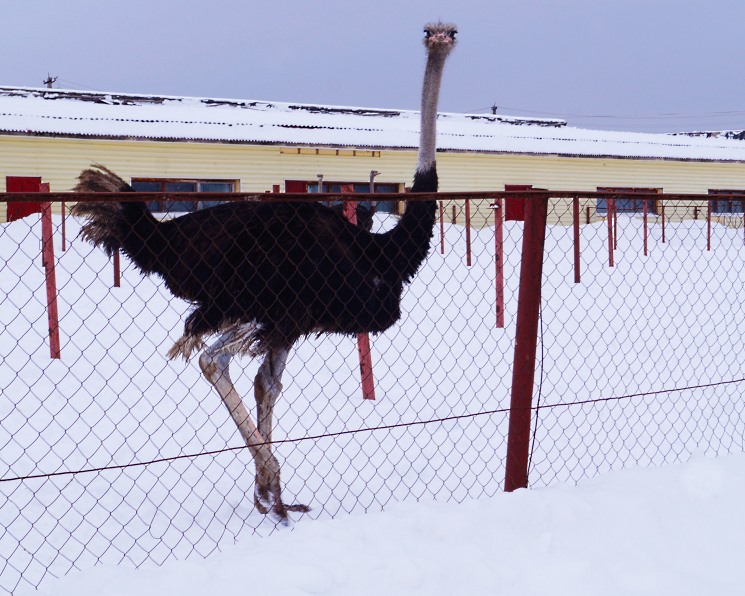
386, 206
180, 186
180, 206
627, 205
725, 206
149, 186
213, 187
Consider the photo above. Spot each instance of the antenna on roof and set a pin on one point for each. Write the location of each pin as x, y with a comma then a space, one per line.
50, 80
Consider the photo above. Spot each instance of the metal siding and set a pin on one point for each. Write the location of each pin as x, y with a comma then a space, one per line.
257, 168
469, 171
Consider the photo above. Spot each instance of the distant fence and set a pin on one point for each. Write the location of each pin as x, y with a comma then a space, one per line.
528, 353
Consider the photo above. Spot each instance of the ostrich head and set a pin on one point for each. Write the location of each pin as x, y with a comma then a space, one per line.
440, 37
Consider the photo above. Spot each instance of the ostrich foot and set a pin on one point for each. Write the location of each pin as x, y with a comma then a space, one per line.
268, 501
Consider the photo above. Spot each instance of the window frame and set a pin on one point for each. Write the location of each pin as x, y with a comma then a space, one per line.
381, 188
637, 205
732, 203
162, 206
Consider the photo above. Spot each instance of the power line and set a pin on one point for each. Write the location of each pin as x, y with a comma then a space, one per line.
78, 85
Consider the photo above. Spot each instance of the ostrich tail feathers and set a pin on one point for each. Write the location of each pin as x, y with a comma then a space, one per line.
103, 228
99, 178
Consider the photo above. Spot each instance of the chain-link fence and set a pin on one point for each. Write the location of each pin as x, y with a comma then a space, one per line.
114, 454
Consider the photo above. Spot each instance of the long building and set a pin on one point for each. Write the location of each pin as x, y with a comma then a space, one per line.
188, 143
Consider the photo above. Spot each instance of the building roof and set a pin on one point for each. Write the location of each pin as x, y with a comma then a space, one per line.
55, 112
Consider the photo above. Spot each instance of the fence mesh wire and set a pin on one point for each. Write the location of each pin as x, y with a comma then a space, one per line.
114, 454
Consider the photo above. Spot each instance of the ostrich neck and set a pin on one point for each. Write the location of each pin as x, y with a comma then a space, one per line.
430, 97
411, 238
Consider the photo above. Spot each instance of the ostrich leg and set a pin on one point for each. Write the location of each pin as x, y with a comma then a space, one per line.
267, 387
215, 364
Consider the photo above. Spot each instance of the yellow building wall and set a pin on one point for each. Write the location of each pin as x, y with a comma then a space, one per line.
257, 168
468, 171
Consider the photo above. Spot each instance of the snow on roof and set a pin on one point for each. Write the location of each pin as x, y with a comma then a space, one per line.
56, 112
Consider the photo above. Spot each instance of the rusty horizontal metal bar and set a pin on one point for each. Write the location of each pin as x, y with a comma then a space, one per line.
12, 197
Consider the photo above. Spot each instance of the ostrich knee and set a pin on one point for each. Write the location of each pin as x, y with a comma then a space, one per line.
215, 366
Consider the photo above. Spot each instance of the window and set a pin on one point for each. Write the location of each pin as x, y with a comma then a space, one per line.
728, 206
380, 188
628, 204
167, 185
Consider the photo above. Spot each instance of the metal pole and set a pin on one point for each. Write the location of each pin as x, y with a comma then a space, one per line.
575, 213
499, 259
645, 226
363, 339
47, 250
526, 340
117, 270
468, 232
442, 228
708, 226
615, 225
609, 218
64, 235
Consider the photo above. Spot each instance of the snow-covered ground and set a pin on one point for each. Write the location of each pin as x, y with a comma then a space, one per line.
672, 531
666, 328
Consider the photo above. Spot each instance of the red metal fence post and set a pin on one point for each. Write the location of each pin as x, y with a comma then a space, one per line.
575, 214
117, 270
526, 340
662, 210
363, 339
499, 258
47, 251
468, 232
609, 218
442, 228
64, 235
645, 226
615, 225
708, 226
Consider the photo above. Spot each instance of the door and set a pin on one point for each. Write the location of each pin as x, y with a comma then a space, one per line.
514, 207
296, 186
23, 184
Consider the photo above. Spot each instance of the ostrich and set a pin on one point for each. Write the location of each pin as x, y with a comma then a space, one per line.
262, 275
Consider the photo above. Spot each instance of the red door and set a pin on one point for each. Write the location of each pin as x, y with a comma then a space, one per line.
514, 207
296, 186
23, 184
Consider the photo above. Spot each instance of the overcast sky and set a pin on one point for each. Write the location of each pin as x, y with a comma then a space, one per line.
643, 65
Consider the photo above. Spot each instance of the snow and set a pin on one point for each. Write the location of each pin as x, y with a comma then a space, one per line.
666, 328
60, 112
672, 531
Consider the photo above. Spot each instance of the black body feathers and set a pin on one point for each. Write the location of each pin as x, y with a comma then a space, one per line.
290, 268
